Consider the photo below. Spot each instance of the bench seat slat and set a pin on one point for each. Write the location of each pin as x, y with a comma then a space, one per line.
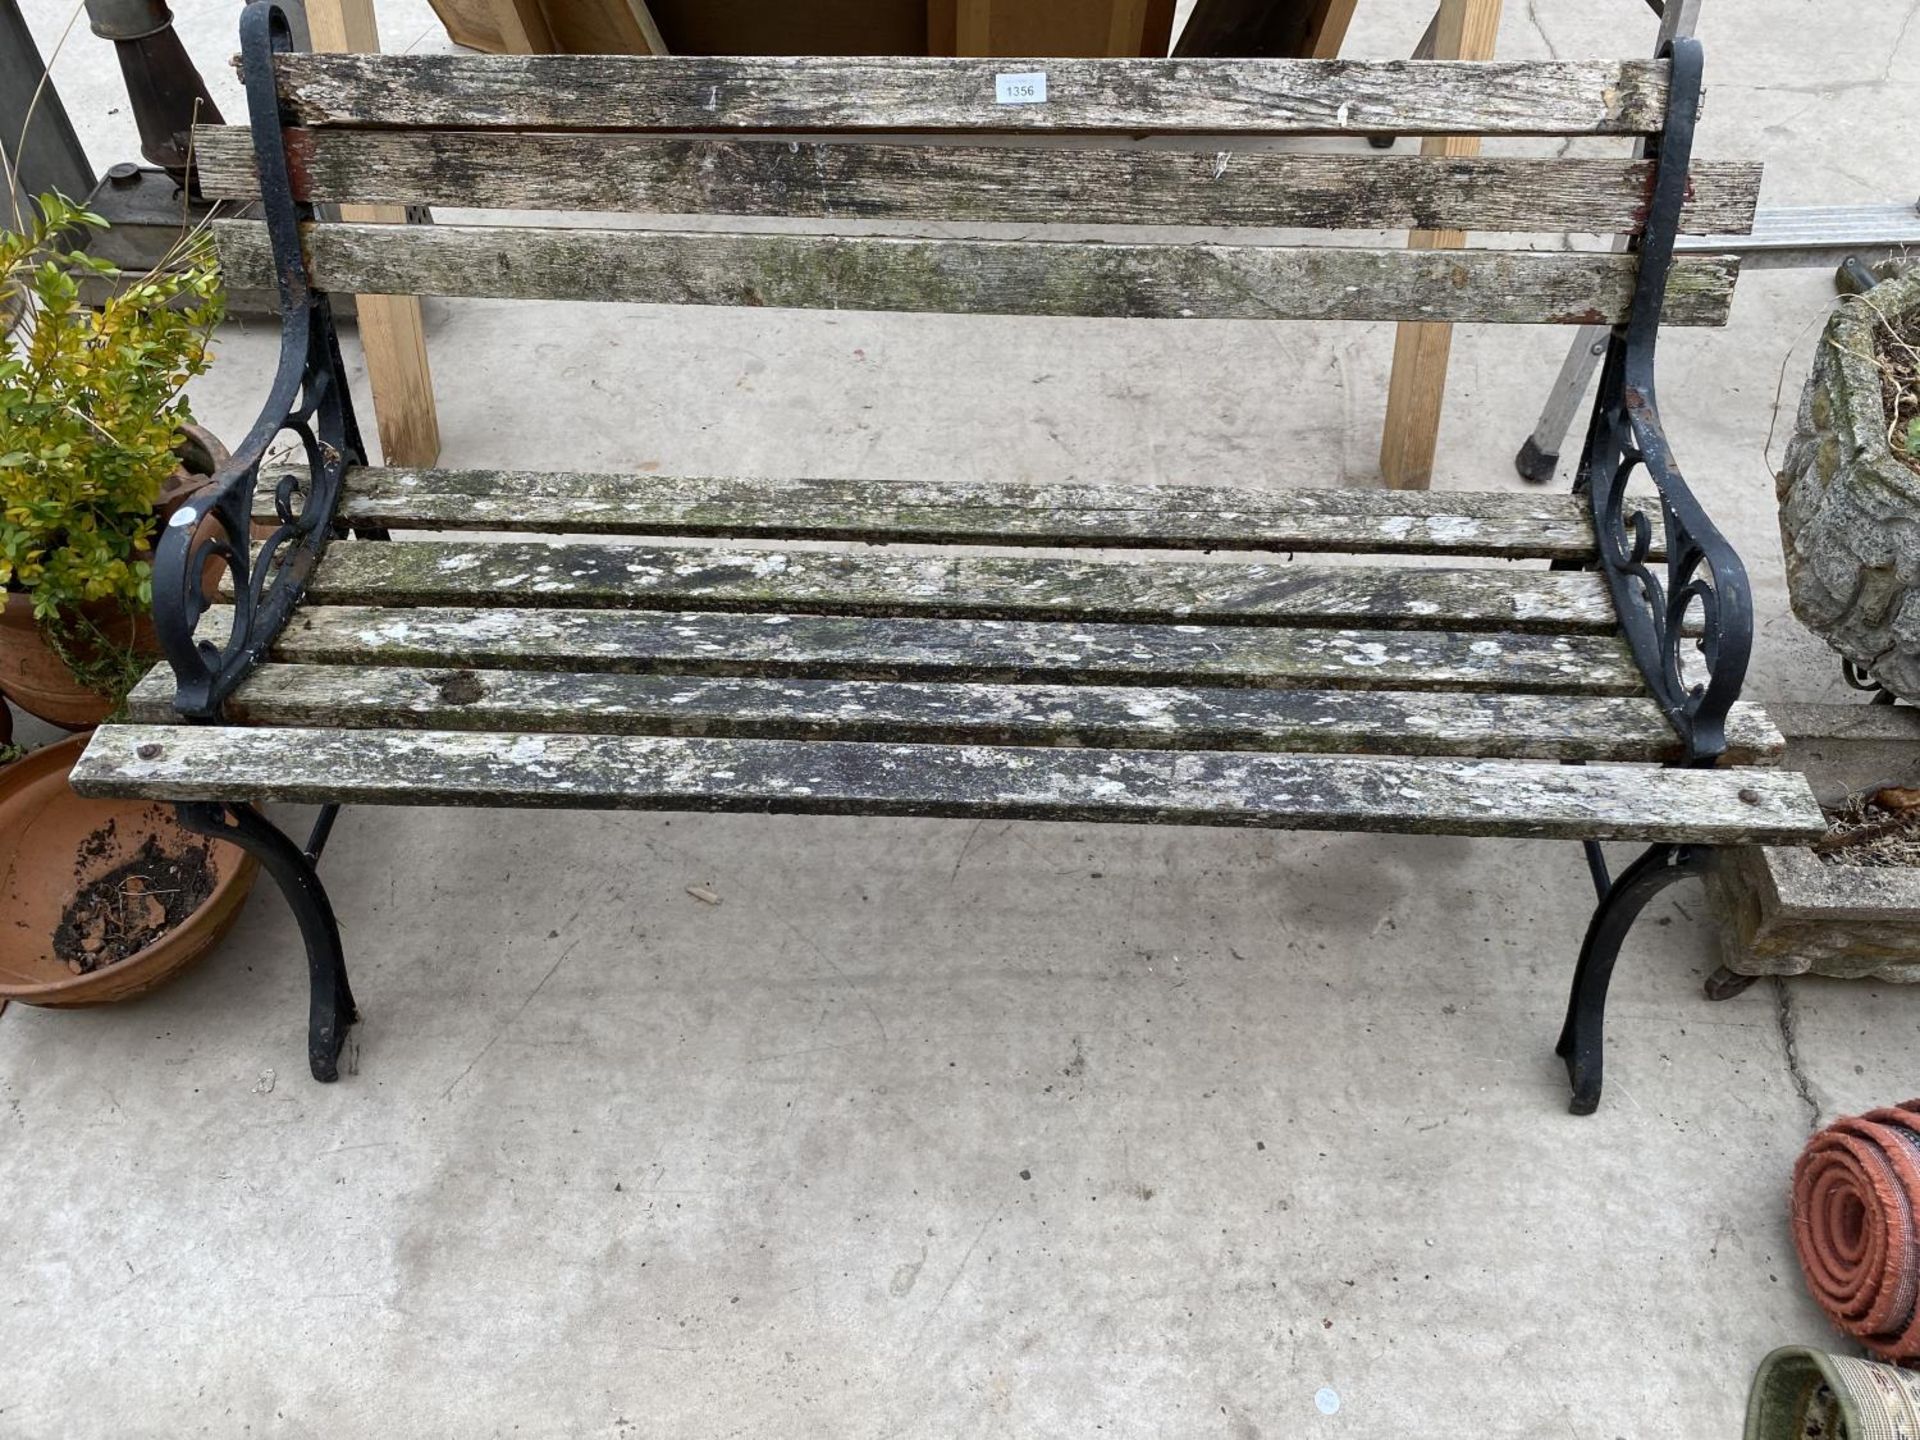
800, 93
1173, 517
958, 586
1541, 727
645, 174
439, 767
982, 277
835, 647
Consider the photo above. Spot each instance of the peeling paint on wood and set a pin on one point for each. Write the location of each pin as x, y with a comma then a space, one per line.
960, 586
797, 94
1540, 727
1441, 797
1125, 516
997, 277
641, 174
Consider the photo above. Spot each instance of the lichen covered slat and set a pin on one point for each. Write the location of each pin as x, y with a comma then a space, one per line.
1362, 793
847, 648
1204, 96
1385, 722
869, 582
1172, 517
982, 277
849, 179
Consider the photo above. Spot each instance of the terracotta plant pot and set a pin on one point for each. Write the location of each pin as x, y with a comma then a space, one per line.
32, 675
53, 843
38, 681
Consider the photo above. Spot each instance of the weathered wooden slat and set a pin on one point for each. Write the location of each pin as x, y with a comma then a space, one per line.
509, 170
998, 277
440, 767
999, 651
1152, 517
789, 93
958, 586
1373, 722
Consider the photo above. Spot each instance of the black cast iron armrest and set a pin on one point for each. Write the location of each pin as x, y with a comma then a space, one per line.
1702, 602
309, 400
1704, 599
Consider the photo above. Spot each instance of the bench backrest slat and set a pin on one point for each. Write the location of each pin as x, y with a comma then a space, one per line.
1094, 143
807, 93
644, 174
1000, 277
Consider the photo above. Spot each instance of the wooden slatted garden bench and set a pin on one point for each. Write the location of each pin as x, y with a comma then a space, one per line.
1500, 665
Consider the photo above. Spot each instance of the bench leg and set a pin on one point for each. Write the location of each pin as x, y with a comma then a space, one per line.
332, 1010
1621, 901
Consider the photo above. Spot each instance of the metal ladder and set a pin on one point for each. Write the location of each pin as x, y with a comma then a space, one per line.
1788, 236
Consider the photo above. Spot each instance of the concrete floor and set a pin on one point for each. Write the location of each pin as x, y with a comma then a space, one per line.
938, 1129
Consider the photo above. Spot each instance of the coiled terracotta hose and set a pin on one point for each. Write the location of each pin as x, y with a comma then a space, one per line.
1856, 1224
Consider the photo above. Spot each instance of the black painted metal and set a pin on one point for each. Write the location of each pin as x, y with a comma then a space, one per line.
1859, 677
1597, 867
309, 401
1582, 1037
322, 828
1704, 578
331, 1012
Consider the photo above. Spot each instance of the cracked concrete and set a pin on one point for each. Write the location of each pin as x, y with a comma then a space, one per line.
1899, 41
1540, 29
1788, 1021
929, 1129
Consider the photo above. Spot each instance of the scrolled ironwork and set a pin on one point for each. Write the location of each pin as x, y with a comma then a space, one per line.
308, 400
1698, 602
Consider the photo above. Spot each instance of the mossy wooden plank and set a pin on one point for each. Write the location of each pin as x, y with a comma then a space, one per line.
982, 277
1428, 796
956, 585
1180, 517
836, 647
1383, 722
874, 93
643, 174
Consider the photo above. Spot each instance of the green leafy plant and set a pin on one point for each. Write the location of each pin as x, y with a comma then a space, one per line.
91, 408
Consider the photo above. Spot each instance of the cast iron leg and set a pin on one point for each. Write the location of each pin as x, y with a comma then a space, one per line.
332, 1009
1581, 1037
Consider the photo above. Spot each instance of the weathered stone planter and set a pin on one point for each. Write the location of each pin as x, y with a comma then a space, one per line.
1850, 507
1789, 912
